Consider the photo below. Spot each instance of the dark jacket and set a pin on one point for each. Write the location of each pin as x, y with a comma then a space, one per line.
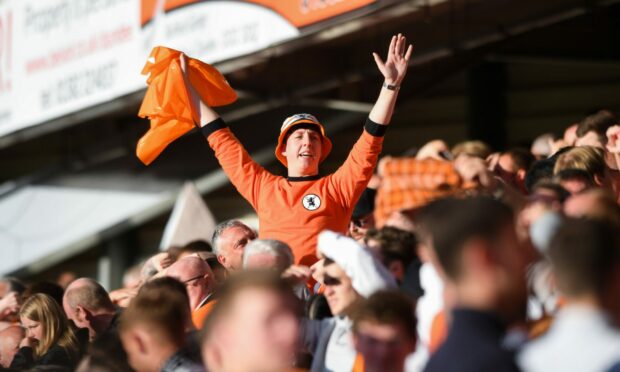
56, 355
474, 344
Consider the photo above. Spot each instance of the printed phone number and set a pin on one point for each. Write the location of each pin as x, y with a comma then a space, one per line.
81, 84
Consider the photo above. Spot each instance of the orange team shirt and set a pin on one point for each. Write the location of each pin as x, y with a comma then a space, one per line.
296, 210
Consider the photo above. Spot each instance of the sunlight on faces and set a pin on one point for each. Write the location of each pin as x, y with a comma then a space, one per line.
232, 242
259, 333
339, 291
303, 152
384, 346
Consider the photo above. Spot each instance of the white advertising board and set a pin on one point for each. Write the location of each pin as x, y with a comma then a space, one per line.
61, 56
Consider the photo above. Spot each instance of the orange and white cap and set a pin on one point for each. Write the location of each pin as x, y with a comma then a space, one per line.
299, 119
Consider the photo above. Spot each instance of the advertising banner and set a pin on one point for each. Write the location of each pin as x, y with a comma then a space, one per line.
7, 78
58, 57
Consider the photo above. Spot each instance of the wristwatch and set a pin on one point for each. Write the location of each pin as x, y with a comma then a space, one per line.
390, 86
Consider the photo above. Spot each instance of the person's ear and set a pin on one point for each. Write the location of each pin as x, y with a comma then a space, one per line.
209, 279
81, 313
133, 342
598, 180
221, 259
141, 341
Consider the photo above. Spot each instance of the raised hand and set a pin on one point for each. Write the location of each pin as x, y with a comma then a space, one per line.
436, 149
201, 112
395, 66
297, 274
474, 170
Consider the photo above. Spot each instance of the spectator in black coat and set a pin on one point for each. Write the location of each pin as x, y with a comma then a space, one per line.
49, 340
484, 262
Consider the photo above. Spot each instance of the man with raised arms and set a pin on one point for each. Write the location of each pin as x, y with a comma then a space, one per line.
294, 209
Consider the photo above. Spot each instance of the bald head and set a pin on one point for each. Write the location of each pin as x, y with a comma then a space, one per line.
89, 294
88, 305
197, 277
188, 267
9, 344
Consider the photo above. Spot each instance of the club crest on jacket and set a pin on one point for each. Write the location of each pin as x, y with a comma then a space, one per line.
311, 202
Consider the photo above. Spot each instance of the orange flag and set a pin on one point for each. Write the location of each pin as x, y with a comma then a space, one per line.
166, 102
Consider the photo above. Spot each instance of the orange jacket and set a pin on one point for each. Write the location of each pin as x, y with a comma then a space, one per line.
295, 210
200, 315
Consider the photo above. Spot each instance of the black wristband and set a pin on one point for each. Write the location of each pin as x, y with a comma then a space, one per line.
374, 129
213, 126
393, 87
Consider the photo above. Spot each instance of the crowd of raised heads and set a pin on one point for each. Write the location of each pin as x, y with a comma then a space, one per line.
455, 259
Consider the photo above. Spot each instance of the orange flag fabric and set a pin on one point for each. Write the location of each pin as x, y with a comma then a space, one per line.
167, 103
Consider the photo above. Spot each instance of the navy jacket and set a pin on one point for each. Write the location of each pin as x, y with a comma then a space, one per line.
474, 344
